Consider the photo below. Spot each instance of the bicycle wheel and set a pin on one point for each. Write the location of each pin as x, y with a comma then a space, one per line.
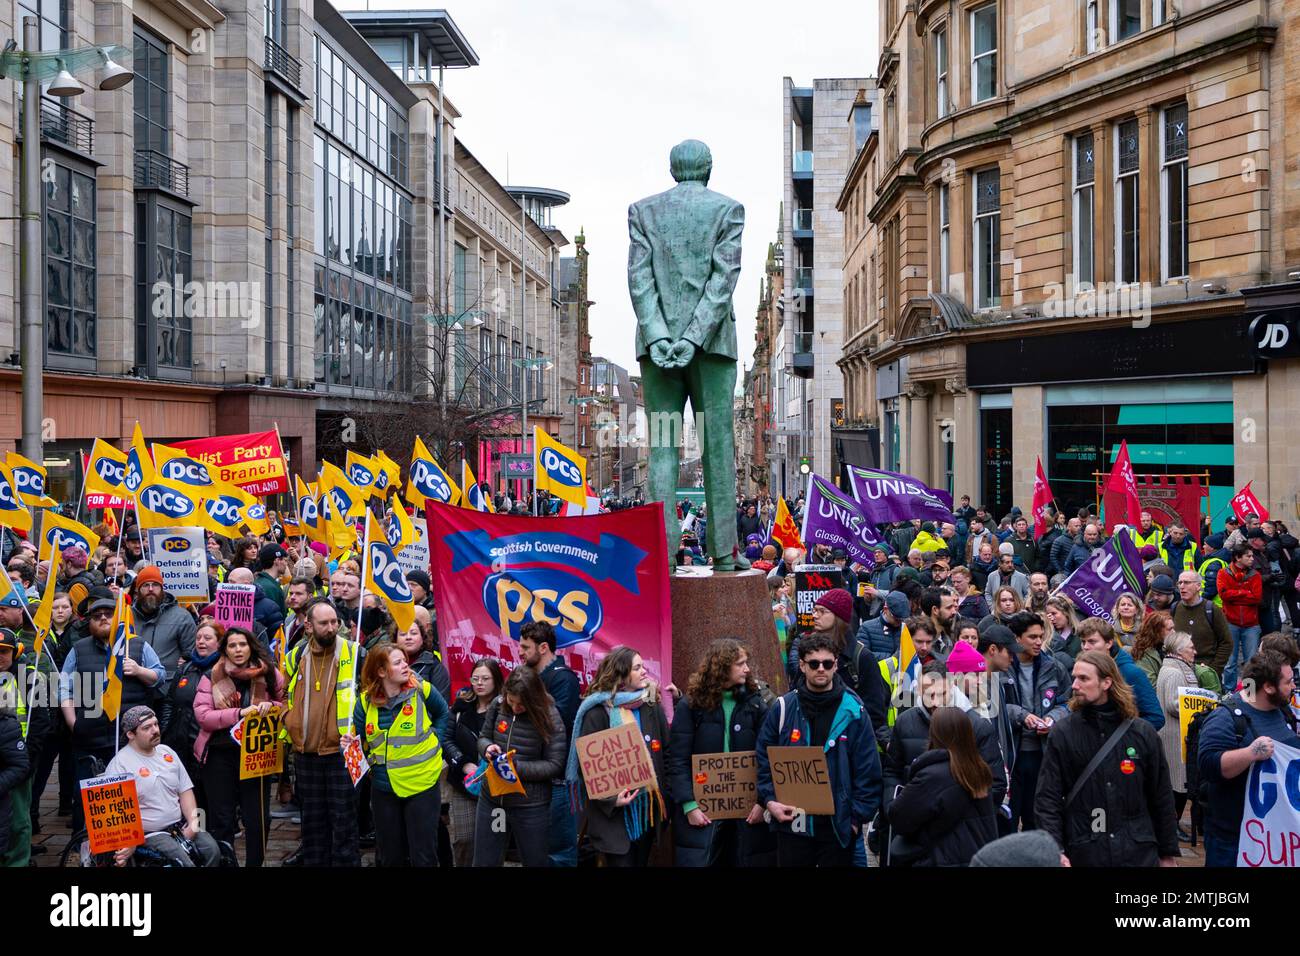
77, 852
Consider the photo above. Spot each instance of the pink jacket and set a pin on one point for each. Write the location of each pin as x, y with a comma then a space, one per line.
220, 720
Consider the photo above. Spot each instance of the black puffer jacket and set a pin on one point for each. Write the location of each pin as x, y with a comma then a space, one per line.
936, 811
695, 732
461, 747
537, 762
911, 740
1131, 790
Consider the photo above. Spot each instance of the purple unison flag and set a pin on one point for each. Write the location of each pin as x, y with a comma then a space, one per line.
832, 518
1112, 569
888, 496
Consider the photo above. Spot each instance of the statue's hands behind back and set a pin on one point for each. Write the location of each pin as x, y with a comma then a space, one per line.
682, 353
661, 353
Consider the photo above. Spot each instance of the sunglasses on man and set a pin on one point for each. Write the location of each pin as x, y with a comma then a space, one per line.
819, 664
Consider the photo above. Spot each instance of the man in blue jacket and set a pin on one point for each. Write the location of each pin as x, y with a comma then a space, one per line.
824, 713
1096, 635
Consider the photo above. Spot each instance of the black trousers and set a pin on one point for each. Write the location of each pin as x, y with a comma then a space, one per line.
531, 827
58, 746
329, 811
1024, 784
406, 828
822, 848
638, 854
226, 793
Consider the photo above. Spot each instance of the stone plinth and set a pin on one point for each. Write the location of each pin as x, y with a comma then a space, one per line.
724, 605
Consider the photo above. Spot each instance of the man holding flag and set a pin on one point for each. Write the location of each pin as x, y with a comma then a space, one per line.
97, 684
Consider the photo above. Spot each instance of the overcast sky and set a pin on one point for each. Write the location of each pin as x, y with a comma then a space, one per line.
588, 96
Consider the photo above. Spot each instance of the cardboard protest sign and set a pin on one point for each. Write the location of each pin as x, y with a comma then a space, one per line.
615, 760
112, 812
234, 606
725, 785
182, 557
1270, 820
1191, 701
260, 752
802, 779
811, 581
415, 556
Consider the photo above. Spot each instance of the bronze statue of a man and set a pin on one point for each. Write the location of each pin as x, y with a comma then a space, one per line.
682, 268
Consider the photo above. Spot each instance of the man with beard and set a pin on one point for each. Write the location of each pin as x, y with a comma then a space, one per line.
323, 672
164, 791
1082, 551
81, 689
159, 621
1240, 732
1038, 588
132, 549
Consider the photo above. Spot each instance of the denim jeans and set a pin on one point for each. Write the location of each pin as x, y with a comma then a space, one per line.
1245, 641
564, 829
492, 828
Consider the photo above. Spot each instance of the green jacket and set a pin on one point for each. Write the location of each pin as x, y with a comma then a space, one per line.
682, 268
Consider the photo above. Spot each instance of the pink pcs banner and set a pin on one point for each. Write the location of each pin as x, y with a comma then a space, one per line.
600, 580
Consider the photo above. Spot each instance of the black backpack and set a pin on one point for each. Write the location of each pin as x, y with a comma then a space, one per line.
1197, 788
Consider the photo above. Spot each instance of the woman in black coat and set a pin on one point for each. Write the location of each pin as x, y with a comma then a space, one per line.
946, 810
461, 751
721, 713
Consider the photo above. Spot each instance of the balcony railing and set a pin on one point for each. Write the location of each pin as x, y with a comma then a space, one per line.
279, 61
803, 161
62, 125
155, 170
803, 220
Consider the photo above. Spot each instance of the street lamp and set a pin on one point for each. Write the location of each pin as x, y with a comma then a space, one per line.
528, 364
31, 68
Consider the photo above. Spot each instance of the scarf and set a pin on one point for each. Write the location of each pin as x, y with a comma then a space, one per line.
819, 709
648, 806
202, 662
224, 692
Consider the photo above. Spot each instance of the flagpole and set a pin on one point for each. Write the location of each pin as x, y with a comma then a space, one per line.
85, 469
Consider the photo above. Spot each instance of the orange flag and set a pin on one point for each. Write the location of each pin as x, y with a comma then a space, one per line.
784, 531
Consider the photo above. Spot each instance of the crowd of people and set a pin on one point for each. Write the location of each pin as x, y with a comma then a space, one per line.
998, 733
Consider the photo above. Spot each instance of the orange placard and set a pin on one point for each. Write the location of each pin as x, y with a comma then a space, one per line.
112, 812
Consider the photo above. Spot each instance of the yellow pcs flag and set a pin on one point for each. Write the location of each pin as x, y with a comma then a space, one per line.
44, 610
106, 470
168, 504
385, 577
58, 532
559, 469
427, 481
13, 513
502, 777
471, 494
347, 500
139, 466
175, 465
390, 472
120, 634
365, 474
313, 522
399, 528
29, 481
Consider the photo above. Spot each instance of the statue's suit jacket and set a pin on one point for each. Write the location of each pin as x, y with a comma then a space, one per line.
682, 268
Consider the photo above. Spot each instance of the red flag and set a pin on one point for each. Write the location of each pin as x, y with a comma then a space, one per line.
1042, 498
1245, 503
1122, 482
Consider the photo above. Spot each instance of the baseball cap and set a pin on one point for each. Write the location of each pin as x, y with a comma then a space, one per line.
100, 603
1001, 635
270, 552
8, 639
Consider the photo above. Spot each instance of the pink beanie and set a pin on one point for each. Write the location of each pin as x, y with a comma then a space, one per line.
319, 548
964, 659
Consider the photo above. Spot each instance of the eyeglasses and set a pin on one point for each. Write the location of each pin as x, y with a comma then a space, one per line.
819, 664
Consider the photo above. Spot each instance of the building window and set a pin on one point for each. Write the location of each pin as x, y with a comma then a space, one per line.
944, 238
1084, 167
1127, 233
1173, 193
1093, 36
150, 92
485, 369
1125, 18
70, 269
274, 25
941, 71
164, 316
51, 14
984, 52
987, 226
1157, 12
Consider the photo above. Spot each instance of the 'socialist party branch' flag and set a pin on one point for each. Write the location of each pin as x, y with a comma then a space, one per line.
1245, 503
1123, 483
832, 518
889, 496
253, 461
1113, 569
600, 580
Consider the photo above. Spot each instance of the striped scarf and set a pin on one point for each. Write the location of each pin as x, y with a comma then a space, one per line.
648, 806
